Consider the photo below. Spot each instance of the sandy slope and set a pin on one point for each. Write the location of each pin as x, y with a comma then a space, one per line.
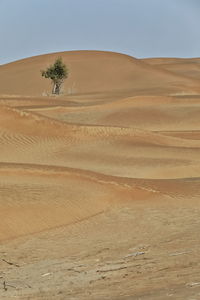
92, 71
185, 67
99, 188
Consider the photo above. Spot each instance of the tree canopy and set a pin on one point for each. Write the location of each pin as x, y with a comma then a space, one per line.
57, 72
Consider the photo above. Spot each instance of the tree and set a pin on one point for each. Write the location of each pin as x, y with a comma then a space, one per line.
57, 72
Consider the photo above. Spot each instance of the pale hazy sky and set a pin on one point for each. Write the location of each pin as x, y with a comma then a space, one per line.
141, 28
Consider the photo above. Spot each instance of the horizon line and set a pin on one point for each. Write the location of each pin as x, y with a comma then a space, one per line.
96, 50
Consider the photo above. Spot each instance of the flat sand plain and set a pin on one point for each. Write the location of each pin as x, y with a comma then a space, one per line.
100, 186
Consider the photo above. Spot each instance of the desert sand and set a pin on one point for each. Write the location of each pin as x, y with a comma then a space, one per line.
100, 186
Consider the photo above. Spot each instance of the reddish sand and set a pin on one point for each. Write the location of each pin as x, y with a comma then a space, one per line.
99, 187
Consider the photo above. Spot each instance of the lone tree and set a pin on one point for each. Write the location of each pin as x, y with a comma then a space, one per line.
57, 72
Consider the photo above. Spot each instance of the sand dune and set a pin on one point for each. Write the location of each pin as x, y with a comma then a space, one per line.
140, 153
92, 71
153, 113
186, 67
34, 197
99, 187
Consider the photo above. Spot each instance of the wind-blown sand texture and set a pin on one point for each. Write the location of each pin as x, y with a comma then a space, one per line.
99, 187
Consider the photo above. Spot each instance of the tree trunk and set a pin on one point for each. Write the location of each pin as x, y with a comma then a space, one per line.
54, 89
57, 89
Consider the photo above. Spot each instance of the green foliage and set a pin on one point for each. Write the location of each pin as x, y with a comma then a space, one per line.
57, 72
